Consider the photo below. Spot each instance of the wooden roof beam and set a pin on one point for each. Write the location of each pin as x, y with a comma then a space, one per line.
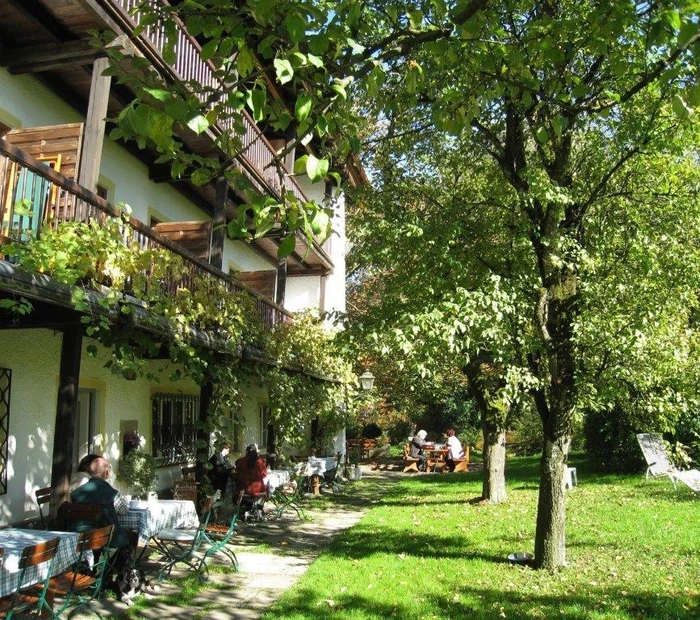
36, 12
50, 57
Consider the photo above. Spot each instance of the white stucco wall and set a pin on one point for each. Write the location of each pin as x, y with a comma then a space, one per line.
34, 357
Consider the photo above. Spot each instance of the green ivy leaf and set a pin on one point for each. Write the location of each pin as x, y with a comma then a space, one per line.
245, 62
339, 89
296, 27
320, 222
256, 102
177, 109
159, 94
287, 246
303, 106
199, 124
300, 164
284, 70
316, 169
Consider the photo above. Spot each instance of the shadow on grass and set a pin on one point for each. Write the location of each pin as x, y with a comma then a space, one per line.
481, 603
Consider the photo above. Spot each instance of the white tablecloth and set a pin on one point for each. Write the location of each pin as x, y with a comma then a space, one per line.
276, 478
154, 516
14, 540
318, 466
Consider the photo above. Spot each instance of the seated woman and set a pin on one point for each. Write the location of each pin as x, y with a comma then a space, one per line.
251, 472
454, 449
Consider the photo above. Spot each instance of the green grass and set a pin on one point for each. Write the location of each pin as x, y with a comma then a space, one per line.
428, 549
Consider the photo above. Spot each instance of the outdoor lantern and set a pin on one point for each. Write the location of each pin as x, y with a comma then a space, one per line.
366, 381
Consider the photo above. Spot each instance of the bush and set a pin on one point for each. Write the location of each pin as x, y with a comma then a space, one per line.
371, 431
138, 472
612, 440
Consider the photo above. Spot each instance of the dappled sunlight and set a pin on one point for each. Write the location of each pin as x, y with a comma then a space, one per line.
427, 550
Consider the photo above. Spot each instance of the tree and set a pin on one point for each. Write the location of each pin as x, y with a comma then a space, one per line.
574, 103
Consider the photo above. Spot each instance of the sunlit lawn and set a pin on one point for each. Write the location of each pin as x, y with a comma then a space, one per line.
427, 549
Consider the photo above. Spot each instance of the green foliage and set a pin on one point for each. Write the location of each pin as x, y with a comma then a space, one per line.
296, 398
138, 472
94, 257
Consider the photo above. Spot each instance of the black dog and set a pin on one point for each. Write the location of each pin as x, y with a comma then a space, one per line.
130, 582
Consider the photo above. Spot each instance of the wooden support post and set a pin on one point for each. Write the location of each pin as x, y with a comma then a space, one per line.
91, 155
66, 413
281, 282
205, 394
218, 235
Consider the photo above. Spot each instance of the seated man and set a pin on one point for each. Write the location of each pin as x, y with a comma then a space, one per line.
417, 444
221, 468
97, 490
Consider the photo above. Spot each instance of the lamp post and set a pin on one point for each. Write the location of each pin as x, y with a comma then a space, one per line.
366, 381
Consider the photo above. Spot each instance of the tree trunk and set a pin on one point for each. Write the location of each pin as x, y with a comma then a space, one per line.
556, 408
550, 533
483, 381
494, 484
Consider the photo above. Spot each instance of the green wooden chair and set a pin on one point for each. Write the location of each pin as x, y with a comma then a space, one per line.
81, 585
31, 598
181, 545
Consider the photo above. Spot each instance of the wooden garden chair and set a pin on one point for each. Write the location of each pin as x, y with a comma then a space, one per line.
410, 463
43, 496
31, 598
80, 586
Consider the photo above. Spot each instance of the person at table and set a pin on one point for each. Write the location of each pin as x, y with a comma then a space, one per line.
98, 490
454, 449
418, 444
221, 468
82, 475
251, 472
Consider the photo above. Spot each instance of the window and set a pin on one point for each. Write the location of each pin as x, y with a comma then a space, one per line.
174, 427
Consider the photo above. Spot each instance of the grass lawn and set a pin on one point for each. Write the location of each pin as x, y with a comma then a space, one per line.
427, 549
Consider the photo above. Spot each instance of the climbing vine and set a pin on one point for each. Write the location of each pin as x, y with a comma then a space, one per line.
139, 304
297, 398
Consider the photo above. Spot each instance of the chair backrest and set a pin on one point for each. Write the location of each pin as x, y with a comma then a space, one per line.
208, 507
82, 517
655, 454
43, 496
93, 540
38, 553
34, 555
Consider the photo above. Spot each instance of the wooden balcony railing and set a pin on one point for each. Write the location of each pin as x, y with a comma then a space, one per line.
257, 157
33, 195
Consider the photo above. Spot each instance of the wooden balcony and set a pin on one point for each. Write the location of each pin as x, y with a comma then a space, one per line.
32, 195
257, 159
50, 39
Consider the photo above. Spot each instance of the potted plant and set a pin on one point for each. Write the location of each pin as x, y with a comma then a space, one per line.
138, 472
